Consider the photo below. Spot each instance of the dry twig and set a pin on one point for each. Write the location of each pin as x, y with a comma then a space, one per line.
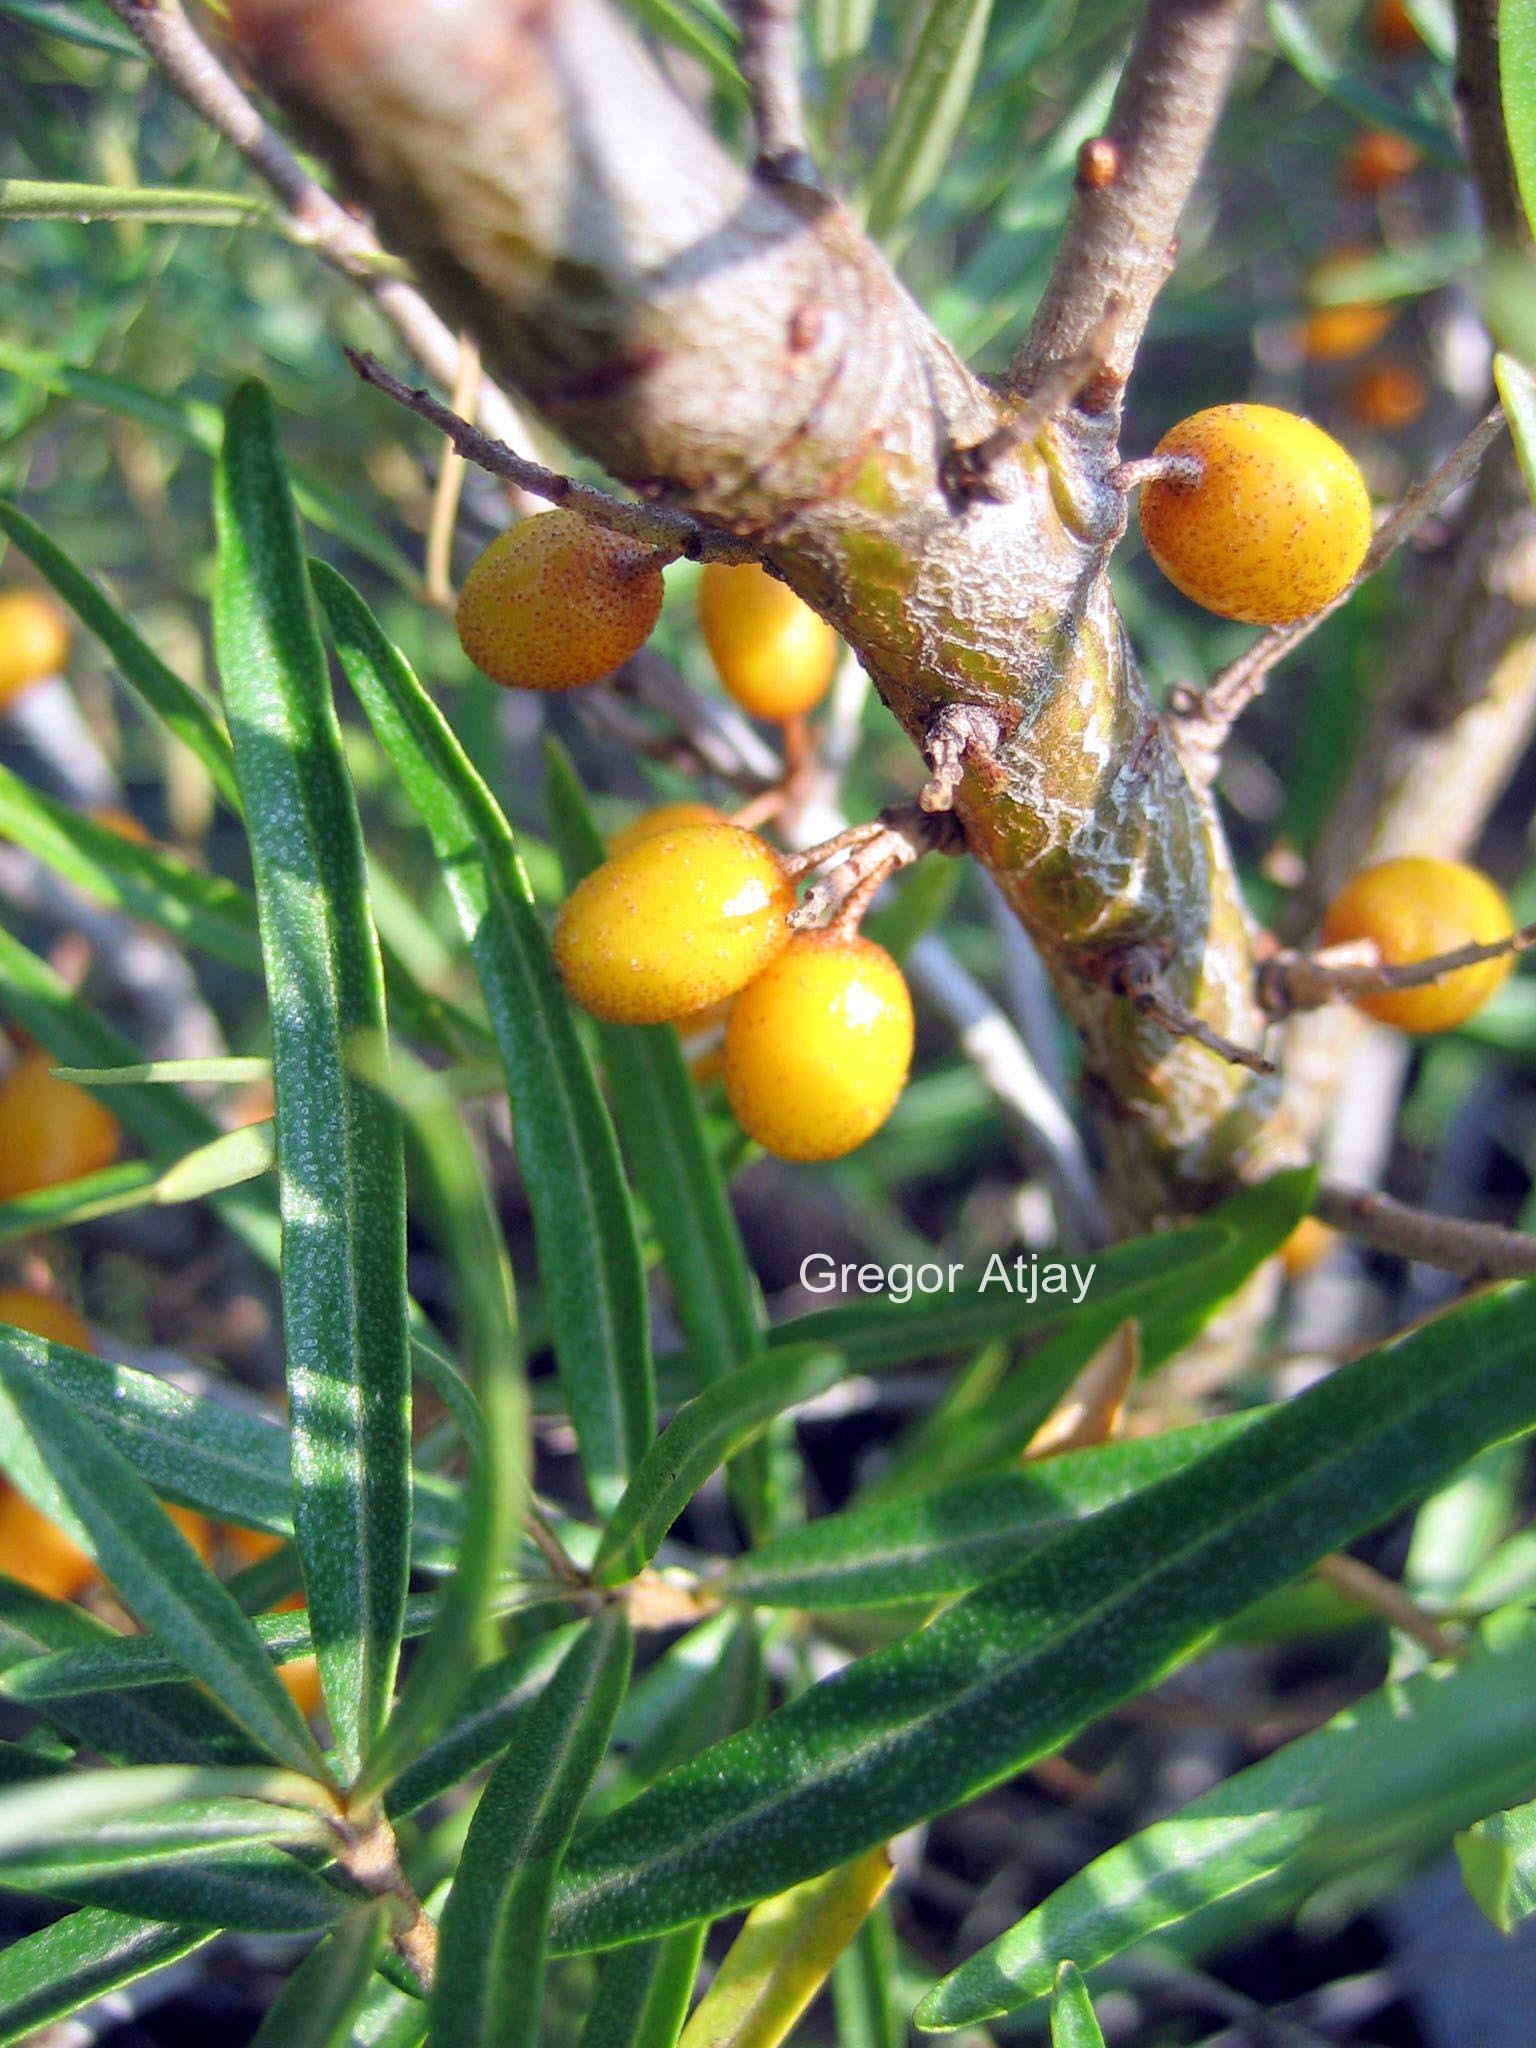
770, 63
1477, 1251
1307, 981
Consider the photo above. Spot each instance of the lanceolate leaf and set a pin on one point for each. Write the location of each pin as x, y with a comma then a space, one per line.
340, 1159
50, 1974
1400, 1770
1099, 1611
1073, 2022
642, 1993
930, 1546
931, 100
1498, 1864
316, 2007
65, 1467
491, 1967
1517, 388
589, 1255
1517, 84
701, 1435
492, 1706
190, 717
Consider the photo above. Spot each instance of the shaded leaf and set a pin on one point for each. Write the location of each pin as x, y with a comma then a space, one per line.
317, 2005
1073, 2023
47, 1975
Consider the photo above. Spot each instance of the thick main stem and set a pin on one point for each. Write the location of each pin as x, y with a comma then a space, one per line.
728, 350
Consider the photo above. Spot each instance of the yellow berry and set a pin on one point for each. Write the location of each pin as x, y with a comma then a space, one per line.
122, 822
1387, 396
45, 1316
1412, 909
673, 924
38, 1553
1393, 29
557, 601
1275, 527
1307, 1246
818, 1047
1335, 333
34, 641
50, 1130
774, 654
301, 1675
665, 818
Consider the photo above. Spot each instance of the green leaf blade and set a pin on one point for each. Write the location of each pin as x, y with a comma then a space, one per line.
340, 1152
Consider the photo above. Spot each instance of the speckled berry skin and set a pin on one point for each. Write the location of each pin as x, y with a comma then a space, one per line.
50, 1130
774, 655
1412, 909
557, 602
1277, 525
34, 642
818, 1047
681, 920
665, 818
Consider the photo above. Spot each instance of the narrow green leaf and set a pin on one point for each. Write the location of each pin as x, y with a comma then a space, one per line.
1498, 1864
1073, 2022
931, 1546
675, 22
147, 882
179, 1803
703, 1434
114, 1191
177, 706
491, 1968
1402, 1769
316, 2007
1338, 78
244, 1888
706, 1686
341, 1165
77, 21
656, 1106
931, 99
48, 1975
1098, 1612
68, 199
642, 1993
589, 1255
492, 1706
463, 1220
68, 1470
1517, 84
864, 1986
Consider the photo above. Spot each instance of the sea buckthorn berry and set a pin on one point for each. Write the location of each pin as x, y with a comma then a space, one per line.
665, 818
557, 601
680, 921
775, 656
34, 641
50, 1130
38, 1553
123, 823
302, 1674
1334, 333
1392, 28
1387, 396
1277, 524
45, 1316
1377, 160
1412, 909
1307, 1246
818, 1046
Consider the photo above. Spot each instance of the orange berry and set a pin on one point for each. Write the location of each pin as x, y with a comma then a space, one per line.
34, 641
775, 656
818, 1046
1376, 161
50, 1130
1392, 28
302, 1674
45, 1316
1307, 1246
665, 818
1335, 333
1276, 525
557, 601
1388, 396
669, 926
39, 1554
1412, 909
123, 823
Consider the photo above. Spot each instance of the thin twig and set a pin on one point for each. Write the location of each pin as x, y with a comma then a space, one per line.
673, 533
1383, 1596
438, 562
1307, 981
770, 63
370, 1855
551, 1549
1132, 183
1204, 717
338, 237
1477, 1251
1137, 974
